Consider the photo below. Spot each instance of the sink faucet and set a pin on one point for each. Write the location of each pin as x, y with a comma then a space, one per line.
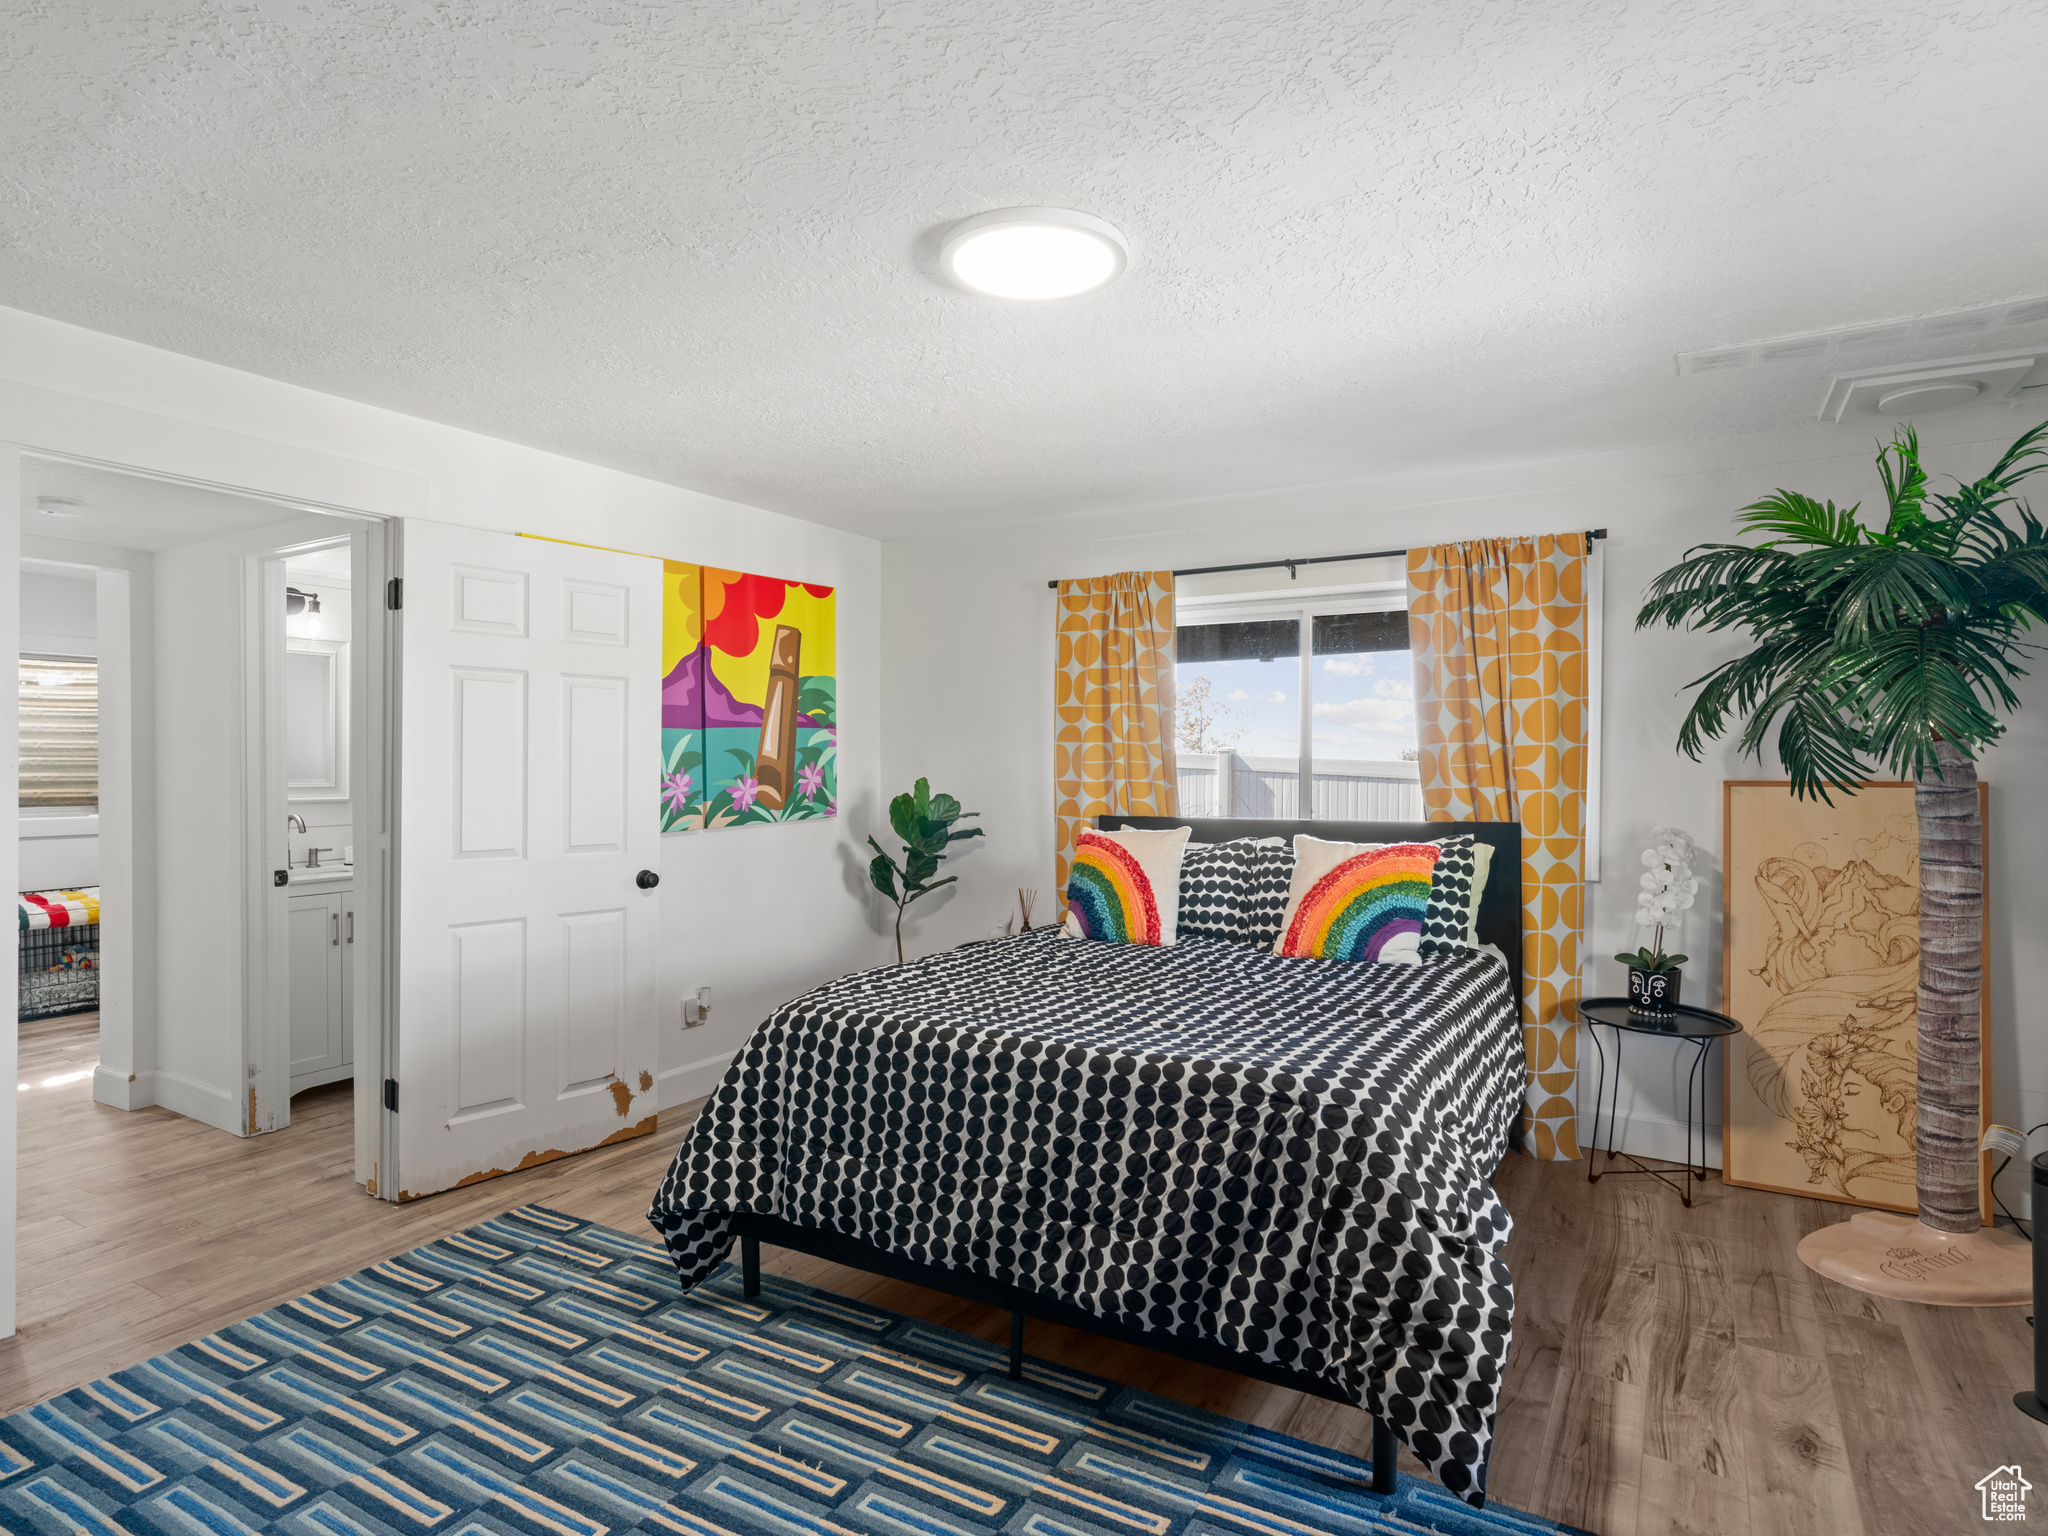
297, 823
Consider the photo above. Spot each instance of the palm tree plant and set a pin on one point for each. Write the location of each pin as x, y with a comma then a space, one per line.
1897, 646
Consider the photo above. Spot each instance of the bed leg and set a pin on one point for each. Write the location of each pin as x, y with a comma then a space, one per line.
1386, 1455
750, 1266
1016, 1346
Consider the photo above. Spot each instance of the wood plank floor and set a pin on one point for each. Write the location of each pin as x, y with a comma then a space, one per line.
1673, 1371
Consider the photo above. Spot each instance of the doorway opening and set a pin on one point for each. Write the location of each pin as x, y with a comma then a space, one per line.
209, 789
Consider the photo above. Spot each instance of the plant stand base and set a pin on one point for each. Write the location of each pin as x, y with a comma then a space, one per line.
1897, 1256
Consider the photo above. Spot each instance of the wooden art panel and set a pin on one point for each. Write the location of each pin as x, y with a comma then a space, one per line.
1820, 964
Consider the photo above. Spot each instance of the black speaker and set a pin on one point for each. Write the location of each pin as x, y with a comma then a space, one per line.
2034, 1404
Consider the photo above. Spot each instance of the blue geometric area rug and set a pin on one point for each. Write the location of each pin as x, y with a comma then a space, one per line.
537, 1375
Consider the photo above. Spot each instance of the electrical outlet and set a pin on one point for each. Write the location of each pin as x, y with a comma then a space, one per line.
697, 1010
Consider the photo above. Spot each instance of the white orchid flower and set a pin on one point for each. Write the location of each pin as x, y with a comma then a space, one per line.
1668, 886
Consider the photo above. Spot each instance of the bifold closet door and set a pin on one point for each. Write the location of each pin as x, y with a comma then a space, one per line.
530, 739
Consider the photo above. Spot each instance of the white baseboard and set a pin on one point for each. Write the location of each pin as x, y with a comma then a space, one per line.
122, 1090
694, 1080
1651, 1135
200, 1101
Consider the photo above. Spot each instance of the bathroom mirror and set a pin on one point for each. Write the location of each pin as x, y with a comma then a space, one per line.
316, 719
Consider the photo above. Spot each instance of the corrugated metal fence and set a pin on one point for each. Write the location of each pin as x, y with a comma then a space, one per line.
1344, 789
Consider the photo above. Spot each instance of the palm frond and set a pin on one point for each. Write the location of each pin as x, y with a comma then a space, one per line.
1787, 515
2014, 464
1864, 645
1905, 488
1711, 585
1897, 586
1819, 750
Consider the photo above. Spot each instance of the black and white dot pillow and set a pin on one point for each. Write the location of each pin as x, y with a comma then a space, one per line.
1235, 890
1453, 898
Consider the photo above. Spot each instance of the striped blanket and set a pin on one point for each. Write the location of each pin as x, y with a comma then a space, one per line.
58, 909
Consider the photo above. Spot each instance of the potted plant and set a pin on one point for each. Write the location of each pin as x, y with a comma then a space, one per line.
1898, 644
925, 823
1668, 888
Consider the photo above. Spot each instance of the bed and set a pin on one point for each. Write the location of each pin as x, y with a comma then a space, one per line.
58, 952
1279, 1167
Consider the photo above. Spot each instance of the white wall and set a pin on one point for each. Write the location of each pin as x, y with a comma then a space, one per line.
57, 613
968, 654
60, 850
756, 913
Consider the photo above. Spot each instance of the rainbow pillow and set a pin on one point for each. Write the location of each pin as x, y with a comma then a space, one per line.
1124, 887
1357, 901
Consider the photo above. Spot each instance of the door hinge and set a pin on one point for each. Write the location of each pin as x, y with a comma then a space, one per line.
391, 1094
394, 593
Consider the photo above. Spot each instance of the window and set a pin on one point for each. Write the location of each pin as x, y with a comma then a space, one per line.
60, 731
1288, 701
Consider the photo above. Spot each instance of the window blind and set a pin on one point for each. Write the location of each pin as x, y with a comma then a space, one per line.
60, 731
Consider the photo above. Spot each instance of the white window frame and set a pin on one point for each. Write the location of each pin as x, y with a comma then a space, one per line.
1304, 607
1385, 596
1596, 686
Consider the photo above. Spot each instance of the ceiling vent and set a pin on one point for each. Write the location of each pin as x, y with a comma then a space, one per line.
1933, 386
1862, 340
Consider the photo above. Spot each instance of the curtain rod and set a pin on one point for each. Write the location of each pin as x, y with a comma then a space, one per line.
1274, 565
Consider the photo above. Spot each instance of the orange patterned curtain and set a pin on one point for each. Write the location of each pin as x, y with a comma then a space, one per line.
1112, 704
1497, 629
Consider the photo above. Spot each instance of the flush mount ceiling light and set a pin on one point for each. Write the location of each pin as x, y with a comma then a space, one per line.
1032, 253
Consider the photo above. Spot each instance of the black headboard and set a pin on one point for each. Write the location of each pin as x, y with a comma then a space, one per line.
1500, 904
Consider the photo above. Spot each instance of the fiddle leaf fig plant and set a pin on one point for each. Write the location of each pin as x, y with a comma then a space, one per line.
925, 823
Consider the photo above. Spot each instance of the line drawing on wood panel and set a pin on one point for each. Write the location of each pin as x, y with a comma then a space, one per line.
1822, 965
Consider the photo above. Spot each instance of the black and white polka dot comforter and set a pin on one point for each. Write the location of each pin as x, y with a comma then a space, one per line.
1290, 1158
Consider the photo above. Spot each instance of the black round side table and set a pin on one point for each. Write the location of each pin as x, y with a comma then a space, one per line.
1698, 1027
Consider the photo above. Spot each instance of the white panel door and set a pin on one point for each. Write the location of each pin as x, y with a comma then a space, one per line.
530, 738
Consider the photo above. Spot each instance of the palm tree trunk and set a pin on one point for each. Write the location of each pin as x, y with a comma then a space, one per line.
1951, 982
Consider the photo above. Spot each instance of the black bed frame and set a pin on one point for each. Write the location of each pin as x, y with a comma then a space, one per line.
1500, 924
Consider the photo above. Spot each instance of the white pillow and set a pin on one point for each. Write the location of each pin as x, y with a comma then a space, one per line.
1124, 887
1401, 949
1482, 864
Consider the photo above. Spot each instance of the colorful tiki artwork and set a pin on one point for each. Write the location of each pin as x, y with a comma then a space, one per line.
749, 699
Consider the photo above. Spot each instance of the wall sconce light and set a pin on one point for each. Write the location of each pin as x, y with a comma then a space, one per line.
301, 606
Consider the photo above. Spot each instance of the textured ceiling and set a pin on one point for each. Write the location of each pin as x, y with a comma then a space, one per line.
696, 242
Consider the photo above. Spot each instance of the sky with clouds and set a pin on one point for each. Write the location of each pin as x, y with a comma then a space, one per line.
1362, 705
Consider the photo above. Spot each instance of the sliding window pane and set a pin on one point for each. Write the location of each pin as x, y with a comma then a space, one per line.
1237, 718
1362, 740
